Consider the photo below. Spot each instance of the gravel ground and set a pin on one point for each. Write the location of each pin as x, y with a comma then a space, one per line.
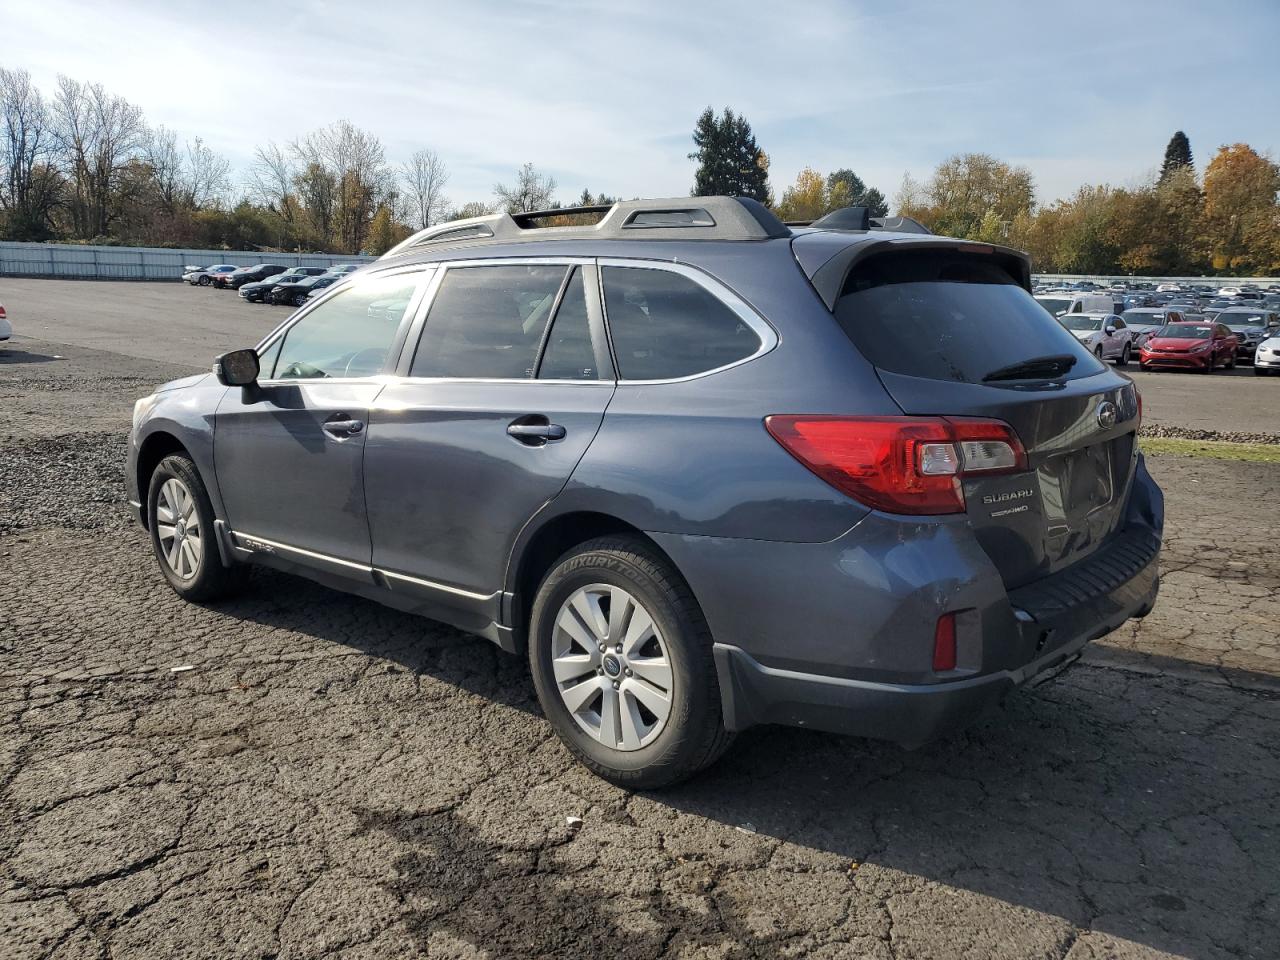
333, 778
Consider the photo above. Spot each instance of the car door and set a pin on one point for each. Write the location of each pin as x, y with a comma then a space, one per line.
289, 452
1225, 343
504, 385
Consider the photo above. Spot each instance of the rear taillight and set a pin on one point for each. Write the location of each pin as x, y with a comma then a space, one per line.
2, 313
911, 465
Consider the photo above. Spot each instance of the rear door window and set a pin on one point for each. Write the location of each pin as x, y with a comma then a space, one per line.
665, 325
487, 322
569, 353
946, 315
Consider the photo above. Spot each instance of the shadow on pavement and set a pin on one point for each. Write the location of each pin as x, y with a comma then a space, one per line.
8, 355
1128, 804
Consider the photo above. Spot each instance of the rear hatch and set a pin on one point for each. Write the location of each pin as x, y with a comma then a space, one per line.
953, 332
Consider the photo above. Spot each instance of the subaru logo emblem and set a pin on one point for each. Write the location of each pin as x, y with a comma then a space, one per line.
1106, 415
611, 665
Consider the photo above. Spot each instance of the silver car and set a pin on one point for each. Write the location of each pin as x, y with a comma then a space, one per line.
1105, 335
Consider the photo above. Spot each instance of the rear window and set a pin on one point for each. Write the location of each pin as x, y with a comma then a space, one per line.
665, 326
950, 316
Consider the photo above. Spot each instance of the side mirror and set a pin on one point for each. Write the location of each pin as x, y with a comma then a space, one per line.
239, 368
1109, 331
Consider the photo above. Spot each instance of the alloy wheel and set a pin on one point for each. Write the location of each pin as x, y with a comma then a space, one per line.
611, 667
178, 529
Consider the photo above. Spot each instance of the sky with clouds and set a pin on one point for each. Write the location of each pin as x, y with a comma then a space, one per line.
604, 94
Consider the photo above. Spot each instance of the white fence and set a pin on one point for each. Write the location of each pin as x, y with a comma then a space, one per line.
74, 261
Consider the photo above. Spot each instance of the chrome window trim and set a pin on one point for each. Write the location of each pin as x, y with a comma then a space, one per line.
761, 327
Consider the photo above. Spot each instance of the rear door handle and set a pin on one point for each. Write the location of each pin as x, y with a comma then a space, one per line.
342, 426
535, 431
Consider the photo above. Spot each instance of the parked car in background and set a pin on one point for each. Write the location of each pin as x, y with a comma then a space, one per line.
1061, 304
257, 292
6, 328
345, 268
1189, 346
1144, 321
1250, 325
1103, 334
1267, 360
205, 277
296, 293
239, 277
937, 491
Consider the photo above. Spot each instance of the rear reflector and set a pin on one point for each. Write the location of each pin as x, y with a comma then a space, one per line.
910, 465
944, 643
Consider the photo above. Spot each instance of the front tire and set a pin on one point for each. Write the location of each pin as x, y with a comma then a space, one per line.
621, 660
1124, 357
180, 519
204, 281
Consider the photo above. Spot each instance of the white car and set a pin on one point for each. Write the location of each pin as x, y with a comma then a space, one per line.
1105, 334
1267, 360
204, 276
6, 328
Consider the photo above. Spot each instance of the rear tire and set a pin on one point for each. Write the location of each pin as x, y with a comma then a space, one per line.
180, 519
575, 633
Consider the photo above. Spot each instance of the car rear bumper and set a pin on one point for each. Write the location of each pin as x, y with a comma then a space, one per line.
839, 636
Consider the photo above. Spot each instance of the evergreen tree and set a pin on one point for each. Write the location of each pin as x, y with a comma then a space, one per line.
1176, 155
730, 161
857, 192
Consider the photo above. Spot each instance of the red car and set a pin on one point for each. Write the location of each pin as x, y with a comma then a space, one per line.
1189, 345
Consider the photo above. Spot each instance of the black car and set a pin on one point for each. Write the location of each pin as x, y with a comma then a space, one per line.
238, 278
257, 292
296, 293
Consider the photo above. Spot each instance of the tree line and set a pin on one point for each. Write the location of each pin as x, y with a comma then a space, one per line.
82, 164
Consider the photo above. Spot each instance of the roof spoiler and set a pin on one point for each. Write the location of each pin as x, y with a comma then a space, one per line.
680, 218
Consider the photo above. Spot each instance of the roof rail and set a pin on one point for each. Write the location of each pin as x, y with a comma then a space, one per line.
679, 218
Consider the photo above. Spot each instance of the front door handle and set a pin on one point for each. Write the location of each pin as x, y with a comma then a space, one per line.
535, 431
342, 426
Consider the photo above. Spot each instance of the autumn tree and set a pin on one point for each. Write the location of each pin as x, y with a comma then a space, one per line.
730, 161
1242, 222
963, 190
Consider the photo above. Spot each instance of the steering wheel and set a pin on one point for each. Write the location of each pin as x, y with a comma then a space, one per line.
375, 354
301, 370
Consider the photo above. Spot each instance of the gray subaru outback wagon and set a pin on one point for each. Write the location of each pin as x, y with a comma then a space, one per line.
706, 469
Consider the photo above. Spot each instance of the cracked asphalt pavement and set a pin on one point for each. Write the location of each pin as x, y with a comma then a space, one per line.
330, 778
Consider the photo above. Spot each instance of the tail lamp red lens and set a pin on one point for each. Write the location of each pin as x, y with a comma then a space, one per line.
911, 465
944, 643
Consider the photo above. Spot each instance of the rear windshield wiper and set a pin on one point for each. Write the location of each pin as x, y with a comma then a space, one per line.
1037, 368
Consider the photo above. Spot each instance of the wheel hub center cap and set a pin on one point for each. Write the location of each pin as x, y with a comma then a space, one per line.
611, 665
182, 528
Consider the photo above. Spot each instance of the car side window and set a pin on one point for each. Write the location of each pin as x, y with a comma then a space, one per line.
1117, 323
349, 334
569, 354
665, 325
487, 322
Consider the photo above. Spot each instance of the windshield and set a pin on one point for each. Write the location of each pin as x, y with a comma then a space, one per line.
1134, 316
1078, 321
1234, 320
1185, 331
947, 315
